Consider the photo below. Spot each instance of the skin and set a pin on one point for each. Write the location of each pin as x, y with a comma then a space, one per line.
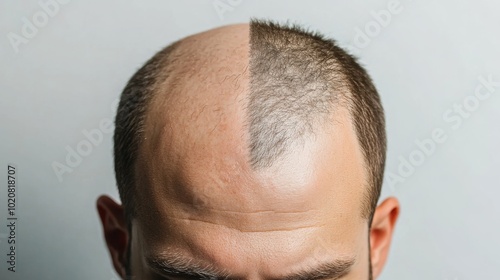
200, 200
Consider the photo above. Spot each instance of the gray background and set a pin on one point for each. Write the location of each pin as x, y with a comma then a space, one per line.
429, 56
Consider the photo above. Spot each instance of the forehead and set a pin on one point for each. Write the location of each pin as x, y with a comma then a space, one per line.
211, 205
197, 193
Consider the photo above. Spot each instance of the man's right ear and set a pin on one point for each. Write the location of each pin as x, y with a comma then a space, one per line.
115, 231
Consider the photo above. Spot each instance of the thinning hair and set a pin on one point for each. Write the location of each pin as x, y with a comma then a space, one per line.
298, 79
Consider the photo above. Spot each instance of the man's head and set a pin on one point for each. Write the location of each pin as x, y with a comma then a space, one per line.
253, 152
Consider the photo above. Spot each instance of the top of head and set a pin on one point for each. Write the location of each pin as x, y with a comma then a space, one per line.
226, 118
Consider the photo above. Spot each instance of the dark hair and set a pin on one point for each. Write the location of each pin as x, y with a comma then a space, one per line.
297, 79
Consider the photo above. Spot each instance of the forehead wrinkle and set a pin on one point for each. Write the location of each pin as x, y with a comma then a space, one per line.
251, 229
256, 211
247, 220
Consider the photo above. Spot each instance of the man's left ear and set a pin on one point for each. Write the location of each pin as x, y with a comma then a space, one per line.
382, 229
115, 232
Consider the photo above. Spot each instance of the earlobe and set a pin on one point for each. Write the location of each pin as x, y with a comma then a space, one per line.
115, 232
382, 230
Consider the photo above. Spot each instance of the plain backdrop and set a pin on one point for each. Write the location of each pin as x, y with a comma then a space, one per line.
430, 60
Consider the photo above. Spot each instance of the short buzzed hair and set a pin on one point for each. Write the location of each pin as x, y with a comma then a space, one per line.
297, 80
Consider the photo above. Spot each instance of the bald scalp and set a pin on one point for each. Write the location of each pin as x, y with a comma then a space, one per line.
297, 79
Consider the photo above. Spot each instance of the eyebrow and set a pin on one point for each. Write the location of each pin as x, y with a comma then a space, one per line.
184, 268
332, 270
